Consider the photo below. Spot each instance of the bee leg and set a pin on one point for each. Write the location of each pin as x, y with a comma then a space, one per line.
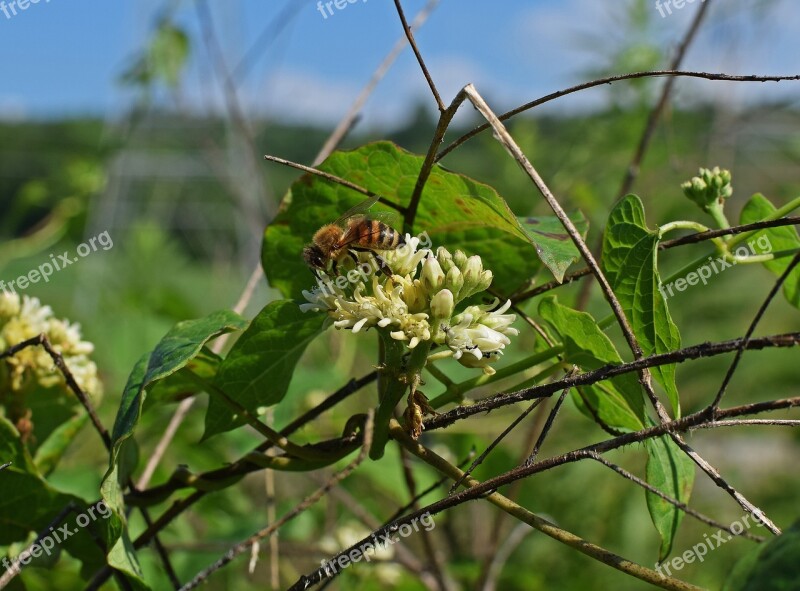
383, 266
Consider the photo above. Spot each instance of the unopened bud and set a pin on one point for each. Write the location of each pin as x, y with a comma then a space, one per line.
442, 305
432, 275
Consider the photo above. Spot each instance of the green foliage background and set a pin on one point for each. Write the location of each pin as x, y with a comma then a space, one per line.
163, 269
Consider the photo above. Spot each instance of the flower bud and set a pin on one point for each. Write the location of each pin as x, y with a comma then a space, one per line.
442, 305
474, 277
445, 259
460, 259
454, 281
710, 188
432, 275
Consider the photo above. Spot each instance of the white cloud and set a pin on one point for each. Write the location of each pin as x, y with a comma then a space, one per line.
12, 108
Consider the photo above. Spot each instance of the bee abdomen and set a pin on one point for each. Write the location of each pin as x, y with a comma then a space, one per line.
388, 237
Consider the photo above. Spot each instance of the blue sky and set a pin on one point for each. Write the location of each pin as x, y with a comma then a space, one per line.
63, 57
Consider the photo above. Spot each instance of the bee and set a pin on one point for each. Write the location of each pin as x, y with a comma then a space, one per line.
353, 232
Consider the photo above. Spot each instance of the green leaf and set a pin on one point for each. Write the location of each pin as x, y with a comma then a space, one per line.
620, 403
604, 403
49, 454
456, 212
30, 504
183, 382
772, 566
554, 245
672, 472
773, 240
259, 367
629, 262
177, 349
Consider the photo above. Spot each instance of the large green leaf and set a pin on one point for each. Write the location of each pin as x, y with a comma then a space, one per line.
672, 472
455, 211
259, 367
620, 403
773, 566
629, 262
178, 347
773, 240
554, 245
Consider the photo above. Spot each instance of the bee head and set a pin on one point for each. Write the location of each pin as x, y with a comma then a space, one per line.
314, 257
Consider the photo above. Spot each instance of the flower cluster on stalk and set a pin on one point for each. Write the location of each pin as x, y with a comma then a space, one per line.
25, 318
418, 302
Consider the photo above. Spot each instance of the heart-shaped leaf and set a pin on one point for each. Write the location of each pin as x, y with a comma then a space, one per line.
455, 211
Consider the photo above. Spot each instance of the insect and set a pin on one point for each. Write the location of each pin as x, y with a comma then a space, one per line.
354, 231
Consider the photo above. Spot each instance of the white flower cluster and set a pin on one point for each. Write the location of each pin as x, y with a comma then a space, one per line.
418, 301
26, 318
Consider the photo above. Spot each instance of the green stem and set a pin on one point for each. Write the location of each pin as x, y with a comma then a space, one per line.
681, 225
455, 393
775, 215
399, 379
545, 373
715, 211
729, 246
689, 225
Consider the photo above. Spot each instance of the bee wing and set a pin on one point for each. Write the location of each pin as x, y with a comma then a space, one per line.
358, 209
351, 235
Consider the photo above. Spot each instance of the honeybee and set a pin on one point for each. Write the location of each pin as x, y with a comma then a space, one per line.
353, 232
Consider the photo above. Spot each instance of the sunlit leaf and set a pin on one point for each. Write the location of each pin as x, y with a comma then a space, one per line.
455, 211
178, 347
259, 367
